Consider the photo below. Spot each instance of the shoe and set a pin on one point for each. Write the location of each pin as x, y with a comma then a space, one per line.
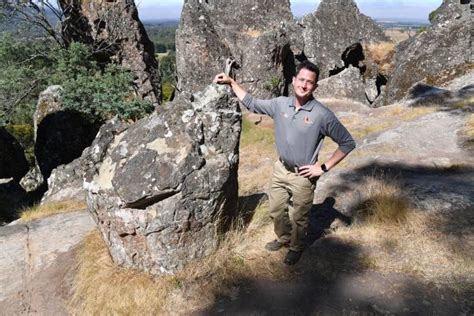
275, 245
292, 257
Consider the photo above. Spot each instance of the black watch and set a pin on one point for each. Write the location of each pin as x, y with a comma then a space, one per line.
324, 168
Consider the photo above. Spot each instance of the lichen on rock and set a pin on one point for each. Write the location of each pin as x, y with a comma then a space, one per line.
166, 186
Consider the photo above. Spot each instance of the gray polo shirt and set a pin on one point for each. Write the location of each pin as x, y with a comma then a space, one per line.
299, 134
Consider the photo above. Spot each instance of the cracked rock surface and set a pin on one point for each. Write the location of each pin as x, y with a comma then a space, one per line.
164, 187
256, 34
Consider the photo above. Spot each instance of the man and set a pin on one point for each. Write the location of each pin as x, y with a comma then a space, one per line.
300, 124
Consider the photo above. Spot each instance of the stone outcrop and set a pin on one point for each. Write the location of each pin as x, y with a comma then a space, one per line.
13, 162
267, 43
436, 55
257, 34
60, 135
334, 27
162, 189
116, 33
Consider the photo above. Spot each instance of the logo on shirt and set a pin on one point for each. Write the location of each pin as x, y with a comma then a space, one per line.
307, 120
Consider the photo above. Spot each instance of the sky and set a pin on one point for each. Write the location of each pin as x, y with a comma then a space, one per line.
402, 10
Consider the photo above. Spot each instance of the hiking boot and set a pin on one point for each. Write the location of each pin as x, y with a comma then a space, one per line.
292, 257
275, 245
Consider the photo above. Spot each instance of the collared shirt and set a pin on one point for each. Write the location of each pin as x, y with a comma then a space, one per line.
299, 134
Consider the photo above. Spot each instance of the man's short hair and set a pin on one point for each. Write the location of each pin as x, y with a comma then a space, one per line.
310, 66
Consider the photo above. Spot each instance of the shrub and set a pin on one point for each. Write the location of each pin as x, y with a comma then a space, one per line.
105, 94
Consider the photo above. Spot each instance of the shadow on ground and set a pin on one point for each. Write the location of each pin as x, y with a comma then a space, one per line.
335, 276
444, 190
425, 95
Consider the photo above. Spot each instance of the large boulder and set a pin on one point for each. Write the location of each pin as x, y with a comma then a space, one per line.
60, 135
347, 84
13, 163
115, 31
436, 55
332, 29
257, 36
163, 189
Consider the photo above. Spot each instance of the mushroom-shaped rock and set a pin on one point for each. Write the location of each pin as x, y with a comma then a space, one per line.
166, 186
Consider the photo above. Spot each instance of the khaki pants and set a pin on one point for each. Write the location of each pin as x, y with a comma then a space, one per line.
290, 223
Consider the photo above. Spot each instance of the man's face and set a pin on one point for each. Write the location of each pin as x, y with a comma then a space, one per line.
304, 83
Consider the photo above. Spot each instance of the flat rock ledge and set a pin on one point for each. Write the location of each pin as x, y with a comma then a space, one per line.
36, 262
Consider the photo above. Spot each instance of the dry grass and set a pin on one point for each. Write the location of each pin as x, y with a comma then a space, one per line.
257, 154
399, 35
396, 238
381, 53
384, 203
100, 287
51, 208
415, 248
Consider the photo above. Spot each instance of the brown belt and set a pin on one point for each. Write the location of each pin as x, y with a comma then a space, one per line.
288, 167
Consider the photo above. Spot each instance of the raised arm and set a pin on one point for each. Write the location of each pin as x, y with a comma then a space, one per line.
222, 78
253, 104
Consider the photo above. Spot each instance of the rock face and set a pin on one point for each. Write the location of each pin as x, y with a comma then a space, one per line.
442, 52
13, 163
256, 34
116, 33
60, 135
163, 188
336, 25
267, 44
